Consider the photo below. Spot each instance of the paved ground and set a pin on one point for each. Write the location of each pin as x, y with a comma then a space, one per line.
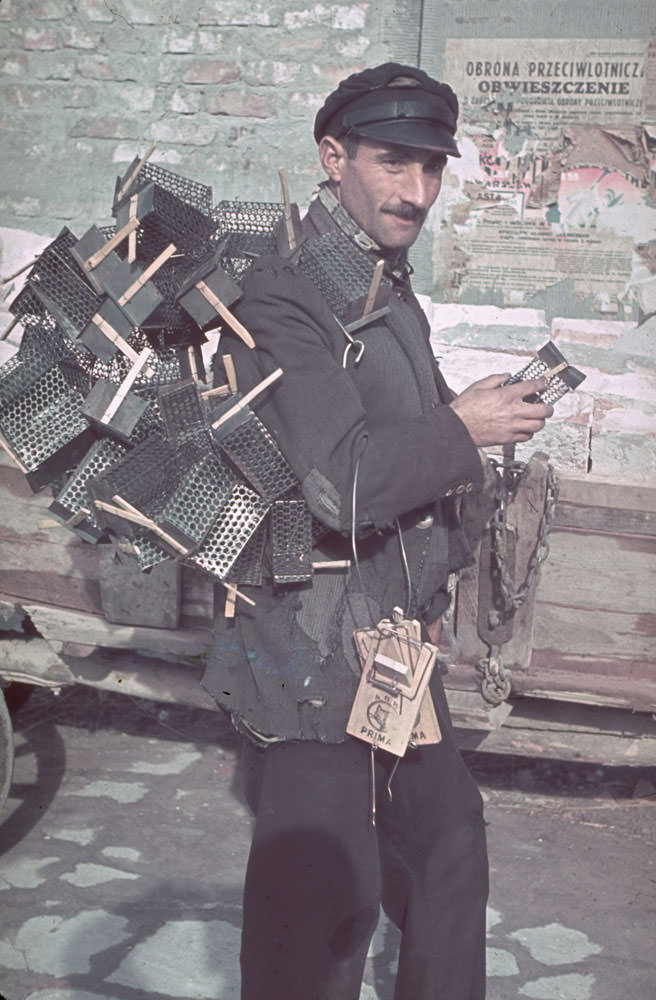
124, 846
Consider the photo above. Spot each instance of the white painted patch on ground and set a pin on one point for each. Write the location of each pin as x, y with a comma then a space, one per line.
87, 874
60, 947
10, 957
24, 873
120, 791
189, 958
571, 987
175, 764
64, 995
492, 918
501, 962
83, 837
555, 944
127, 853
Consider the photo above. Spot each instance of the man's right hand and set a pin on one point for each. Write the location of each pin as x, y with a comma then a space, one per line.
494, 413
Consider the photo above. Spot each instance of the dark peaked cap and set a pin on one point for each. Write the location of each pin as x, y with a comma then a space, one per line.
392, 103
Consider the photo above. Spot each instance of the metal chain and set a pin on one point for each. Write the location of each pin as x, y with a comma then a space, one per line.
514, 596
496, 684
448, 624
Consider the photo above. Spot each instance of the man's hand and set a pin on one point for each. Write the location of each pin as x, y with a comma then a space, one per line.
494, 413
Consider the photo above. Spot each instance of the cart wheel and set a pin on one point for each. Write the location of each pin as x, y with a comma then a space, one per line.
6, 751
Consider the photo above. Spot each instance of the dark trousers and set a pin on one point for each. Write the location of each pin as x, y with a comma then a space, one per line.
319, 870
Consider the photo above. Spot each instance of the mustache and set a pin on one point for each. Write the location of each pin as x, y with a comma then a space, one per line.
407, 212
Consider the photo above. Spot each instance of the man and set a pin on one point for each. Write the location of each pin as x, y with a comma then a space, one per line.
382, 451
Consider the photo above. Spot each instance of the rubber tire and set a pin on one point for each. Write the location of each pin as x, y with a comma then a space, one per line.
6, 752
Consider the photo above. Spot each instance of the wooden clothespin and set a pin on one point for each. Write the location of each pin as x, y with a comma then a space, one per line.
231, 374
225, 313
245, 400
126, 385
231, 599
122, 509
134, 173
373, 288
287, 209
145, 276
555, 370
92, 262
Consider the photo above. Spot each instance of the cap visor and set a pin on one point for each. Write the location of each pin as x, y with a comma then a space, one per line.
418, 134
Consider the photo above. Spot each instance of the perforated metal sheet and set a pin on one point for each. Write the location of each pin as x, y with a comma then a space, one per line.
190, 510
245, 230
193, 193
340, 270
60, 285
44, 419
182, 411
147, 551
144, 477
73, 500
291, 541
248, 567
235, 524
254, 451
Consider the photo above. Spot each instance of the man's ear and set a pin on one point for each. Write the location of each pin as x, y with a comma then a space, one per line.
332, 156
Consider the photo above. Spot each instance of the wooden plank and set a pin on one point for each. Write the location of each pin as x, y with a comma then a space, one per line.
63, 625
604, 634
598, 572
554, 730
604, 519
591, 492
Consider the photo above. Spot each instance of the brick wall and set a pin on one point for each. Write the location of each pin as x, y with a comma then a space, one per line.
227, 90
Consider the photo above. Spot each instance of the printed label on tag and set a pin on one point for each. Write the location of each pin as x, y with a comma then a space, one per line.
392, 706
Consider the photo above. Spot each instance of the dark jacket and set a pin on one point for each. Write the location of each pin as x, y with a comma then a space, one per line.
286, 668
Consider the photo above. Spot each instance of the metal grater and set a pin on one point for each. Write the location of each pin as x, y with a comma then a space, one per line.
236, 522
246, 230
546, 359
72, 505
342, 273
252, 448
291, 541
60, 285
164, 217
40, 417
191, 508
248, 567
182, 410
144, 477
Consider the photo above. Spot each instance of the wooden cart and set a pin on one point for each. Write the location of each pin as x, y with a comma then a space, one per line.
580, 667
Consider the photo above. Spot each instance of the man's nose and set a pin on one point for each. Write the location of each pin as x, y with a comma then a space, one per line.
419, 188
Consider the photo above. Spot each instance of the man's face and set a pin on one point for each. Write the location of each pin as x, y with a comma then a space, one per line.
387, 189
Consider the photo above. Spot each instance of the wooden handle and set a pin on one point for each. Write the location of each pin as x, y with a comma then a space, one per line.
287, 209
245, 400
152, 268
118, 237
225, 313
121, 508
557, 368
125, 386
231, 374
373, 287
131, 178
